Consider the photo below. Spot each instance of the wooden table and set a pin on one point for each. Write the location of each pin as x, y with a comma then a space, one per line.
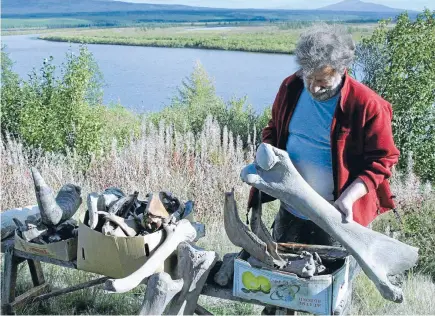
42, 291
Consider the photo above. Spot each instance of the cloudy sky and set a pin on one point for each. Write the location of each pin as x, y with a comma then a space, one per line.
291, 4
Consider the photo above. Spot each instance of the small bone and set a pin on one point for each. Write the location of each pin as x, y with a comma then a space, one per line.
92, 203
194, 265
226, 272
155, 207
160, 290
175, 234
129, 227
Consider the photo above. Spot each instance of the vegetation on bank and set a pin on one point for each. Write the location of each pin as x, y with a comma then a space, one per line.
399, 64
269, 39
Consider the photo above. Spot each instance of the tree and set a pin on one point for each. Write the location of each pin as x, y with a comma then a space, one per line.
399, 63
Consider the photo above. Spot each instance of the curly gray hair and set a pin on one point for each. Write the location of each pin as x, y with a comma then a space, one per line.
325, 45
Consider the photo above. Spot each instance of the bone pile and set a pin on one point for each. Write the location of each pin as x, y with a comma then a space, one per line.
114, 213
381, 258
262, 251
54, 221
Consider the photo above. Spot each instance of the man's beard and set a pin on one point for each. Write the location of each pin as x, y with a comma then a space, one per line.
325, 94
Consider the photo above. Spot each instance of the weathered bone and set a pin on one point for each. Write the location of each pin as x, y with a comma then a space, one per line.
305, 266
92, 203
30, 230
175, 234
129, 226
240, 235
121, 206
193, 266
55, 210
379, 256
160, 290
259, 229
226, 272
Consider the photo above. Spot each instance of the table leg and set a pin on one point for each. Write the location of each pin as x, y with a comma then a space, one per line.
36, 272
9, 281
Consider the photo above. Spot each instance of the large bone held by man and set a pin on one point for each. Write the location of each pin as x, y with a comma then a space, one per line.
380, 256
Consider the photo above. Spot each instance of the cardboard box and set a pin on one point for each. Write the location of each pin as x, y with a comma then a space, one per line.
318, 295
65, 250
116, 257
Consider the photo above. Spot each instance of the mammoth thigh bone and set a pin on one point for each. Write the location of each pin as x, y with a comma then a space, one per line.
193, 267
380, 256
160, 290
175, 234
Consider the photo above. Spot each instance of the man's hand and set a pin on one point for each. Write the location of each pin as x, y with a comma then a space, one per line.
345, 202
344, 205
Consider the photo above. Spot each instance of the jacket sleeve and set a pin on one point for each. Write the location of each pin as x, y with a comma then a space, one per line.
380, 152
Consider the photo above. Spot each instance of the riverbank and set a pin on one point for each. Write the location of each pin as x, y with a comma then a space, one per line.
265, 39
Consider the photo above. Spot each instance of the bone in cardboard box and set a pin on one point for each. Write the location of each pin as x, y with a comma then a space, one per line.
119, 232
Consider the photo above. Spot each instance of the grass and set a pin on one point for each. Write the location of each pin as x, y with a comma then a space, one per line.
161, 159
269, 39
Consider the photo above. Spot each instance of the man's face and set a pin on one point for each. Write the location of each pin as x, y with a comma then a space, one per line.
323, 83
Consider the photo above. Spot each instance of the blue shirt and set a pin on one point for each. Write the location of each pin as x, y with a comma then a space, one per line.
309, 144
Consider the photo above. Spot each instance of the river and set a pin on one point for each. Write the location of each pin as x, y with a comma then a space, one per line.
146, 78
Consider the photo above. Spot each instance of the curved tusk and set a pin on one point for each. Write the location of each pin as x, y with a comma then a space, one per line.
55, 210
259, 229
240, 235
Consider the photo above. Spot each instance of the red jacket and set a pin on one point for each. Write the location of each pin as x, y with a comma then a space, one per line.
362, 142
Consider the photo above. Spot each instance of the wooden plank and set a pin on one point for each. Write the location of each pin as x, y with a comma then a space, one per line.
31, 256
27, 296
325, 252
9, 280
36, 272
70, 289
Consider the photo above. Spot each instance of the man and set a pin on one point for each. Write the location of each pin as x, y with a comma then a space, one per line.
337, 133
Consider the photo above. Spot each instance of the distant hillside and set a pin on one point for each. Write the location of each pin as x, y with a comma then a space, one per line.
108, 13
359, 6
26, 7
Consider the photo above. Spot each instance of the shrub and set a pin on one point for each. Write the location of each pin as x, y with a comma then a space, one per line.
197, 99
399, 63
65, 113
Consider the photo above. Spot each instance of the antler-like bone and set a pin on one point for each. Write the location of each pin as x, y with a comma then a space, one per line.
129, 226
378, 255
240, 235
160, 290
259, 229
175, 234
55, 210
193, 267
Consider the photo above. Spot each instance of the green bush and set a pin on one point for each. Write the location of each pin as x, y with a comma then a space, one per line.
399, 63
197, 99
65, 113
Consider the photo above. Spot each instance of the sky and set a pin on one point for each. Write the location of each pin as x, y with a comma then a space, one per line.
417, 5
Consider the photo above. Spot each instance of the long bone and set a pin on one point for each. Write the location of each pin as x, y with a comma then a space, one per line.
175, 234
160, 290
240, 235
380, 256
55, 210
